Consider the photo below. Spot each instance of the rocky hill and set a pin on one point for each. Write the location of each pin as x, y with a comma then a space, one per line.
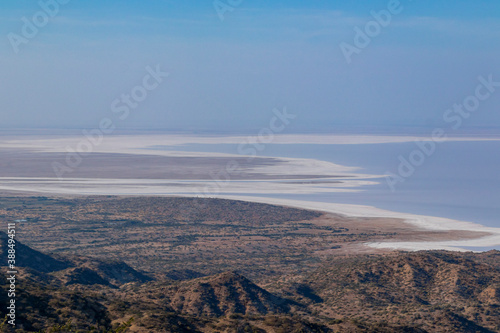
430, 291
107, 264
224, 294
434, 291
43, 302
112, 271
27, 257
183, 274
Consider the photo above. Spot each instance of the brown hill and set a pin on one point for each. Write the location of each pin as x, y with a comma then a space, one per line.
113, 271
28, 257
429, 291
183, 274
491, 257
436, 291
423, 277
75, 269
223, 294
46, 303
80, 275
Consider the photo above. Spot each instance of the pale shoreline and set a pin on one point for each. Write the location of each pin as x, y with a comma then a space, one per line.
415, 222
288, 167
421, 222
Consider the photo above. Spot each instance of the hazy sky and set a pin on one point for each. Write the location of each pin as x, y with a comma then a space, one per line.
230, 74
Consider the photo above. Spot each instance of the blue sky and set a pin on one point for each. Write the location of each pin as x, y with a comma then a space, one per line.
229, 75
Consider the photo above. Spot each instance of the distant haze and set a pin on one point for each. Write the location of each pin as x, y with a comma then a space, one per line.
232, 73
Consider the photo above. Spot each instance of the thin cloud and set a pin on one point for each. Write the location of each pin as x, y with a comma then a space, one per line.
483, 28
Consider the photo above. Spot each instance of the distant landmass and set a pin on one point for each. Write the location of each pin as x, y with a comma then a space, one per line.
332, 291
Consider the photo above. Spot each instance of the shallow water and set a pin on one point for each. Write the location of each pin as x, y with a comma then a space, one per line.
460, 180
